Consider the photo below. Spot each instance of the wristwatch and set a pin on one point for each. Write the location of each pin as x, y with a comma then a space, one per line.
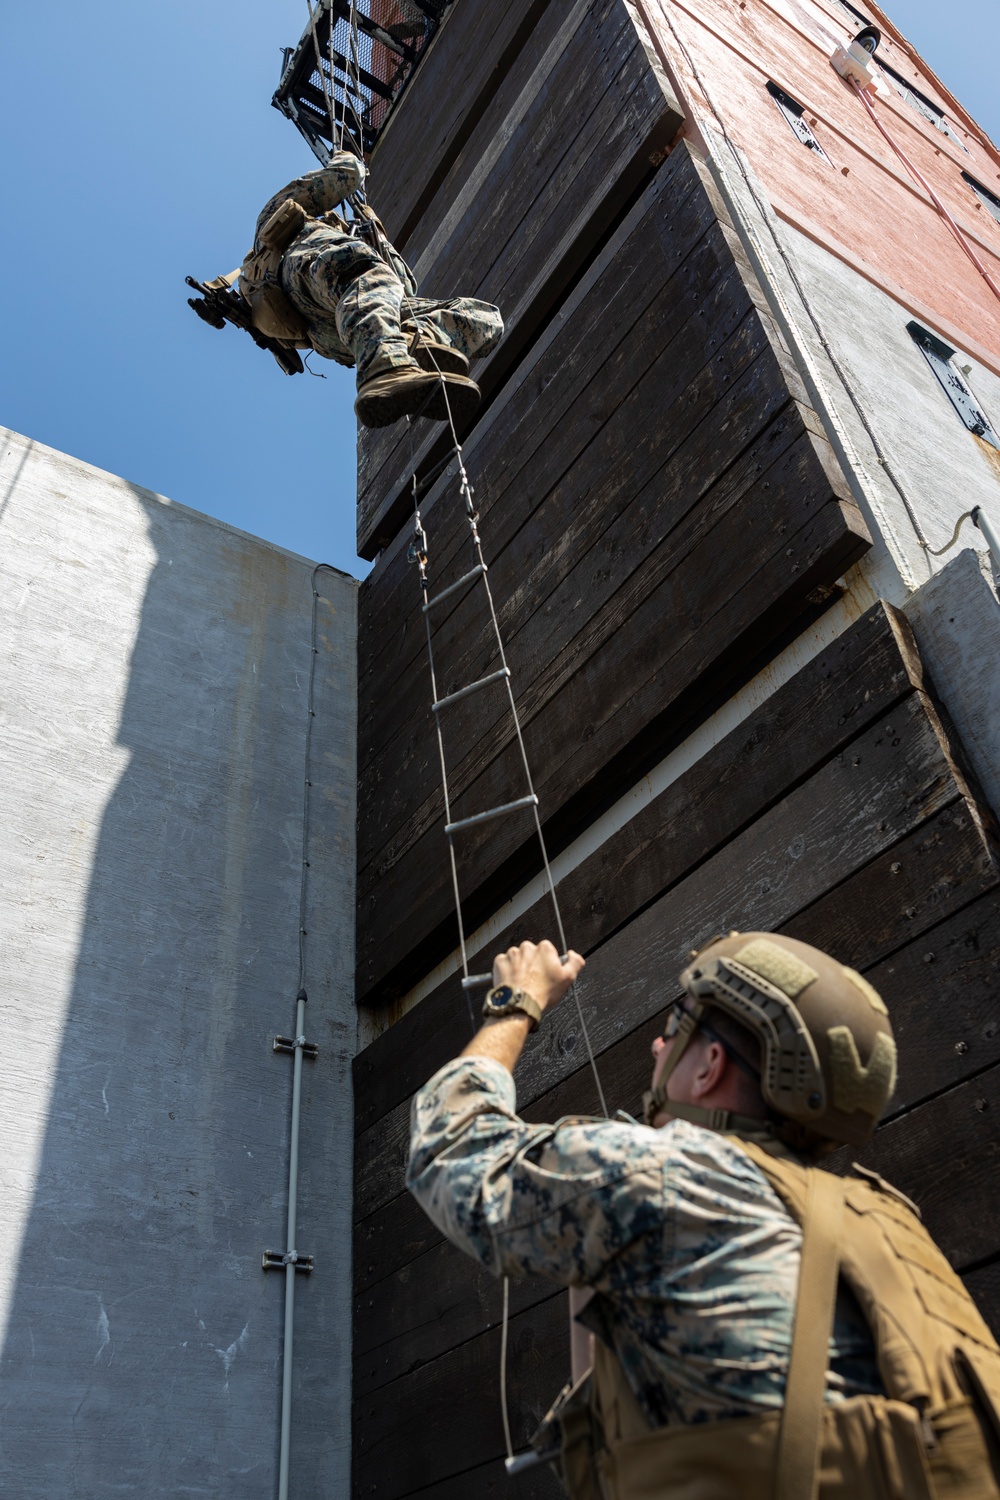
504, 1000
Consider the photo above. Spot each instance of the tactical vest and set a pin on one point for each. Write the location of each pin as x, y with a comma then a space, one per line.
934, 1435
272, 312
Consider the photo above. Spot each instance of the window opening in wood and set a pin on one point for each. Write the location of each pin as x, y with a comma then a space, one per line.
918, 101
991, 201
794, 114
941, 360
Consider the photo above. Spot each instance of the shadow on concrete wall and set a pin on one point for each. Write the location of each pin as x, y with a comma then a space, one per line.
142, 1354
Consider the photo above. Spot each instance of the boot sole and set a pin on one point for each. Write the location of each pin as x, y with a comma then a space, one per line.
423, 398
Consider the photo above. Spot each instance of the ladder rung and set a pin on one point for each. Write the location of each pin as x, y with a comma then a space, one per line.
472, 688
453, 588
493, 812
476, 981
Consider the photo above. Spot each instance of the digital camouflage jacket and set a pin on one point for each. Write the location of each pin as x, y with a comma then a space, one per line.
693, 1258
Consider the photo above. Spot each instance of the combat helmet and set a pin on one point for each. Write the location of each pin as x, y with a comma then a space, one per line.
828, 1058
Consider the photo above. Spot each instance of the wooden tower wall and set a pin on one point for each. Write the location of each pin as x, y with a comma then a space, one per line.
665, 522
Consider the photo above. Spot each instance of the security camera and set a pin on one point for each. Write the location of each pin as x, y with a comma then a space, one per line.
869, 39
855, 62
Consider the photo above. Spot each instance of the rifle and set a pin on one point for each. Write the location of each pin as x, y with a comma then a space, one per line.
219, 304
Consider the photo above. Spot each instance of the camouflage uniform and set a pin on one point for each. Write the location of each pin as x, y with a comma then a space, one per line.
693, 1257
359, 309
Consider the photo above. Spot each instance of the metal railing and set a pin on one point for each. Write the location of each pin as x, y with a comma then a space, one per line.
362, 71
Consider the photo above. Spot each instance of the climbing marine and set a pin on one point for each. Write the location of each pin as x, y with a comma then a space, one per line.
764, 1329
318, 280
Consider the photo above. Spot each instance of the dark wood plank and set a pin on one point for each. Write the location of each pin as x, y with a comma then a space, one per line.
501, 180
945, 1155
922, 999
425, 1308
648, 687
456, 81
445, 1418
929, 875
394, 1234
885, 790
826, 704
533, 192
943, 995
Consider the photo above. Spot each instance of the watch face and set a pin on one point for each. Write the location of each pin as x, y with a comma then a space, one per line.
502, 995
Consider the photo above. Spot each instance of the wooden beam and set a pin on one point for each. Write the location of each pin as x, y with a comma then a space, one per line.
444, 104
945, 1010
440, 1420
826, 704
425, 1308
947, 1153
529, 199
789, 869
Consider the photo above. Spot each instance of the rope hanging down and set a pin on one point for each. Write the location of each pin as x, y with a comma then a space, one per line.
351, 91
419, 553
478, 576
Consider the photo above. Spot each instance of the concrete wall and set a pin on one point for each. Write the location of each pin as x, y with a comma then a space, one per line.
913, 465
940, 465
956, 619
153, 710
894, 428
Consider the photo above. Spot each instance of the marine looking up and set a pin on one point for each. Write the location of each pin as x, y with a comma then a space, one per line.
354, 300
697, 1231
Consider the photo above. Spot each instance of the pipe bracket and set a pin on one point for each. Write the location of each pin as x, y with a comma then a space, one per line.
274, 1260
293, 1043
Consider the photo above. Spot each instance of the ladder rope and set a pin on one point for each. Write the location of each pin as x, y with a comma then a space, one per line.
330, 102
419, 553
351, 88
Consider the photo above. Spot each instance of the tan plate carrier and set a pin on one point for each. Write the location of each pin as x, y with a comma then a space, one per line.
935, 1435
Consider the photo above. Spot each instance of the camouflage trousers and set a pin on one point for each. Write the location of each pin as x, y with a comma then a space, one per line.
359, 311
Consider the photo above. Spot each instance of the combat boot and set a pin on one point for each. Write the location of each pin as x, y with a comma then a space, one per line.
410, 391
434, 356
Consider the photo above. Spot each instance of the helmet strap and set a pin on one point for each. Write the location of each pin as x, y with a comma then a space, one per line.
653, 1100
723, 1120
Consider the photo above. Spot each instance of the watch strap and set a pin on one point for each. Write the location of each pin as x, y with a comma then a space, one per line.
518, 1003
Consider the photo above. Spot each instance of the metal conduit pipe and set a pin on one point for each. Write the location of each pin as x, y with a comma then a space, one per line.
291, 1256
980, 519
291, 1260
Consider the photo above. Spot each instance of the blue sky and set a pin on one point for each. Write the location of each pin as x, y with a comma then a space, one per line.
139, 145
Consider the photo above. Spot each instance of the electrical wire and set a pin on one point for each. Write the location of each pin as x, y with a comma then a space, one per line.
965, 516
503, 1367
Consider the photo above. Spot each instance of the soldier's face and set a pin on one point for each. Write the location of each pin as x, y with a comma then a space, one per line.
663, 1046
